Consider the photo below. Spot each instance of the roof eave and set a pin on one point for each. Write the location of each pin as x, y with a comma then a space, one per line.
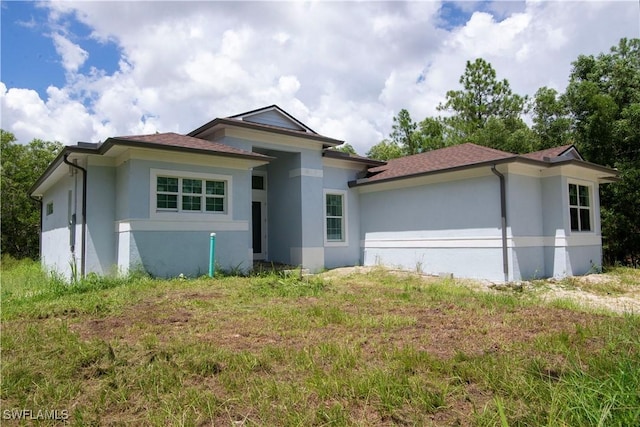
331, 154
611, 174
326, 141
142, 144
366, 181
57, 162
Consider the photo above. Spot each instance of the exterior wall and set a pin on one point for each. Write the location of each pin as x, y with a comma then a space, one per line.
525, 227
295, 199
171, 253
555, 214
284, 208
169, 243
335, 178
566, 252
442, 227
57, 237
101, 213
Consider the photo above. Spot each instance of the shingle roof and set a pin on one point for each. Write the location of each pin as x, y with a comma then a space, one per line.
176, 141
549, 153
335, 154
436, 160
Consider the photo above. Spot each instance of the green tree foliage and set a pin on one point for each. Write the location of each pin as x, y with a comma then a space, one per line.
603, 98
385, 150
404, 133
432, 133
346, 148
21, 166
486, 110
551, 121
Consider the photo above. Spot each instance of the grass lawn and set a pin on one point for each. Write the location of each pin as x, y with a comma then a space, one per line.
363, 349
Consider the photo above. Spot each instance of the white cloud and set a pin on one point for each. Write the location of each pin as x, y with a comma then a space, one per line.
73, 56
343, 68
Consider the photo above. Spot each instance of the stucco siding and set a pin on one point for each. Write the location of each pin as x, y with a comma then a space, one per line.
101, 234
57, 236
340, 256
554, 212
171, 253
584, 259
472, 263
524, 207
284, 207
169, 243
448, 227
527, 263
122, 191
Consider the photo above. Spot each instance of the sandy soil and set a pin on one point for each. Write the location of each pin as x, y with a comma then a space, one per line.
577, 289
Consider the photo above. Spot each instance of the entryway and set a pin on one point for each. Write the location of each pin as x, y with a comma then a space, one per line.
259, 215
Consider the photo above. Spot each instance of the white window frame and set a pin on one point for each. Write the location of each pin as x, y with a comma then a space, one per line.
179, 213
591, 206
345, 210
49, 208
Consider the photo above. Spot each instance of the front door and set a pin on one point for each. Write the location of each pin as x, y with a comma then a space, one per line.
259, 216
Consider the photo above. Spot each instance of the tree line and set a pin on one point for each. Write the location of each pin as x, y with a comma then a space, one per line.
599, 113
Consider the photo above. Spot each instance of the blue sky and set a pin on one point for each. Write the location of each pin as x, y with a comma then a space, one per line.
89, 70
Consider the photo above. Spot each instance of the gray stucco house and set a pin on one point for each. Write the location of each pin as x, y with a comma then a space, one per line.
273, 189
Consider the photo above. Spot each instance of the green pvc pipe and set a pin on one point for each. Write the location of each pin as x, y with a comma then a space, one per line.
212, 253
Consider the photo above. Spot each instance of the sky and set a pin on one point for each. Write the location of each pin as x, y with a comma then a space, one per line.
86, 71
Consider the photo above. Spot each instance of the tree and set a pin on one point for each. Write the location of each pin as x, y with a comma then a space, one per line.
346, 148
484, 105
385, 150
21, 165
432, 131
551, 121
603, 98
404, 133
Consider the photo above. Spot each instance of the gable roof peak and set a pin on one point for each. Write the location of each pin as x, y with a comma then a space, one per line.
273, 115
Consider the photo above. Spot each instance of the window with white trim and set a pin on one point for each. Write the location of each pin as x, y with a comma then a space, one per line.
177, 194
334, 217
580, 207
49, 208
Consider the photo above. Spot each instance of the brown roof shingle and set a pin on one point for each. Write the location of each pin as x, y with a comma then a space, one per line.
548, 153
437, 160
173, 140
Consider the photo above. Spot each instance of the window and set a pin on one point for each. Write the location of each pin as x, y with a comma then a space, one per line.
190, 195
579, 207
49, 208
257, 182
334, 217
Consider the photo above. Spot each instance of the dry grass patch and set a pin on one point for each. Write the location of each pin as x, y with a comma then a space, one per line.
355, 349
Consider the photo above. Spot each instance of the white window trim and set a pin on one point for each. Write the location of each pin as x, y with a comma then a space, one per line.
590, 186
49, 205
164, 214
345, 210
